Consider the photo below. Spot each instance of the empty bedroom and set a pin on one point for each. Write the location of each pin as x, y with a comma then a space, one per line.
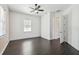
39, 29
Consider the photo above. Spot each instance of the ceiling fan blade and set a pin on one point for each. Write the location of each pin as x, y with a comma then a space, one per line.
39, 6
33, 10
31, 7
40, 10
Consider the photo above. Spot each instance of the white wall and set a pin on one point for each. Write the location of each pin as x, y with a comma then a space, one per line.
73, 26
17, 26
45, 26
50, 26
4, 40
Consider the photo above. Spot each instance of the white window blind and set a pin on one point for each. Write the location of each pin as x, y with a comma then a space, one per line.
27, 25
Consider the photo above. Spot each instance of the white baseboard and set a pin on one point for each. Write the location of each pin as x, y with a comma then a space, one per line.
73, 46
24, 38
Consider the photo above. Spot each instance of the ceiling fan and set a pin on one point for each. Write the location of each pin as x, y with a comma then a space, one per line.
36, 8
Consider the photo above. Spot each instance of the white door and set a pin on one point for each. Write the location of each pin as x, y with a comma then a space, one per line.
61, 30
64, 29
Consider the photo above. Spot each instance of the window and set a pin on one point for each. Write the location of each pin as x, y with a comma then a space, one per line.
2, 22
27, 25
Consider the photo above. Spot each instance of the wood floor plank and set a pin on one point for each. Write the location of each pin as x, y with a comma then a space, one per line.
39, 46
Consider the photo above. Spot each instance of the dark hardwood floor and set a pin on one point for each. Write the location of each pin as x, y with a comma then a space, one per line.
39, 46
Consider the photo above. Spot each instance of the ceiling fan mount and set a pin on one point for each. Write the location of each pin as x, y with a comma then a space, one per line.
36, 8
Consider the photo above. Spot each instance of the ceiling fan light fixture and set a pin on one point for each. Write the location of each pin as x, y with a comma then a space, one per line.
36, 9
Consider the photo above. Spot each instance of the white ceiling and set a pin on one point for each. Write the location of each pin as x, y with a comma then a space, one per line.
24, 8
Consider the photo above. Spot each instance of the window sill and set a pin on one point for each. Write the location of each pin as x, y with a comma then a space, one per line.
27, 31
